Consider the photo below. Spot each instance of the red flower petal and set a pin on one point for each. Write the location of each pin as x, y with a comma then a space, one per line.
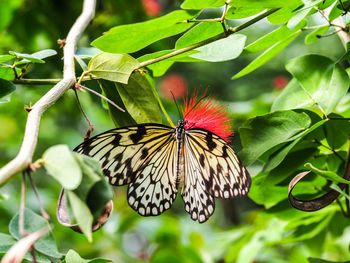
207, 114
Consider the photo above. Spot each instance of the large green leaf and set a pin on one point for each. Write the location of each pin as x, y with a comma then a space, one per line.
32, 223
133, 37
74, 257
195, 4
322, 81
139, 99
329, 175
119, 118
262, 133
5, 58
113, 67
243, 12
264, 3
28, 57
61, 165
337, 131
267, 55
268, 40
81, 213
223, 49
198, 33
6, 87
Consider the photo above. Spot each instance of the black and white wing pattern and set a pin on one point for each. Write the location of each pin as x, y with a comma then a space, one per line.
154, 189
142, 156
212, 169
123, 152
198, 203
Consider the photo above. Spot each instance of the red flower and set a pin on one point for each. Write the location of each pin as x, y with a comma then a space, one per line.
151, 7
174, 83
207, 114
280, 82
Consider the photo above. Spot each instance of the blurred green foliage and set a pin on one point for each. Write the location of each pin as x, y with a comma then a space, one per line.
266, 229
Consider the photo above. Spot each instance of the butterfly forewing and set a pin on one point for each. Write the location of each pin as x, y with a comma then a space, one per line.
123, 152
223, 173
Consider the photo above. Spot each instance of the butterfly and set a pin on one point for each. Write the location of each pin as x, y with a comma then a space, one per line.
157, 161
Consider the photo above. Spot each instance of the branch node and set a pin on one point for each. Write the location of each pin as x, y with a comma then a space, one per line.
61, 42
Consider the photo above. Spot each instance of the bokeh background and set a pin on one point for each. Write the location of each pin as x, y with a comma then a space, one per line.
239, 230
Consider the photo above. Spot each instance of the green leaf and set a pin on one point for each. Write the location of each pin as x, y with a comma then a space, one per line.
5, 58
298, 17
340, 191
264, 191
6, 242
198, 33
7, 73
6, 87
292, 97
262, 133
28, 57
32, 223
222, 50
159, 68
81, 214
318, 260
119, 118
267, 55
282, 15
197, 5
139, 99
335, 12
133, 37
44, 53
94, 189
315, 35
268, 40
329, 175
113, 67
74, 257
337, 131
242, 12
87, 52
61, 165
323, 81
264, 3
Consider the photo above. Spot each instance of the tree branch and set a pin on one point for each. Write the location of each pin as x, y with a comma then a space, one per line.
24, 157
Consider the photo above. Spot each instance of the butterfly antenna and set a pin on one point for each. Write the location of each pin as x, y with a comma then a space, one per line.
196, 104
178, 110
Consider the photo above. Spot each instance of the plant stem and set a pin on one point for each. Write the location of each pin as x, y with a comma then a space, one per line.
229, 32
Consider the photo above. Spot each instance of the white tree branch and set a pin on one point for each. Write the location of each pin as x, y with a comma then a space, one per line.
24, 157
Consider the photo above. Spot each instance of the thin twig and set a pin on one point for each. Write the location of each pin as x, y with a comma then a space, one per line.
24, 157
22, 205
44, 214
91, 128
103, 97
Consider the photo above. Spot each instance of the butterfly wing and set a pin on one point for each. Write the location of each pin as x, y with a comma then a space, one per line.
154, 189
123, 152
198, 202
223, 173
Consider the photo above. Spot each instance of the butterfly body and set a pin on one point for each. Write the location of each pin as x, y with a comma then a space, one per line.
156, 161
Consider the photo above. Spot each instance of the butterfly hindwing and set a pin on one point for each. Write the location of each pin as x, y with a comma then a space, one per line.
223, 173
198, 202
154, 188
122, 152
